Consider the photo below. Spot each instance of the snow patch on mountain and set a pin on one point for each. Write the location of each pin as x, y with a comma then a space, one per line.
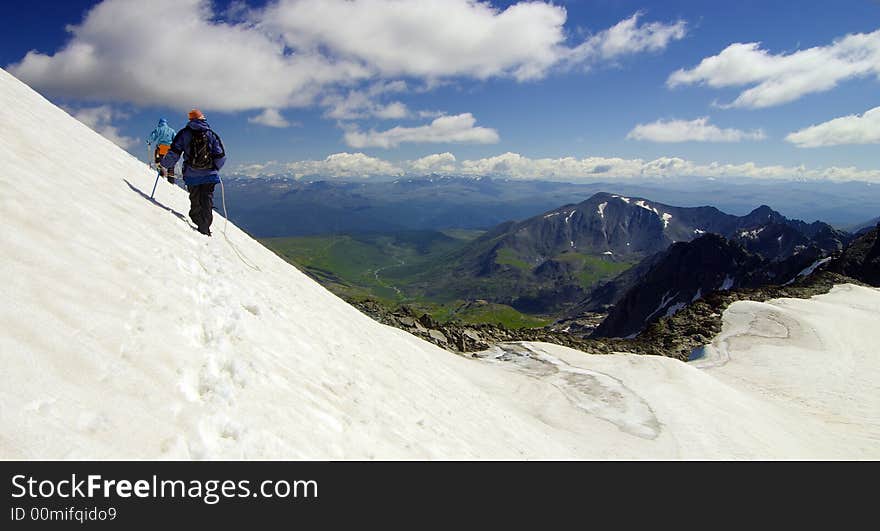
809, 270
664, 301
753, 234
672, 310
664, 216
726, 284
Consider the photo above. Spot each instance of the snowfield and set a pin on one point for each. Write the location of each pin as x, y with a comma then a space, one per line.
787, 379
126, 334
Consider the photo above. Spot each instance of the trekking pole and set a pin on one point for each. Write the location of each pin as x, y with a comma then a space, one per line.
154, 185
150, 165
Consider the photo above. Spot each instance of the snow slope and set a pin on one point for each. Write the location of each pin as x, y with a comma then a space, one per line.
786, 379
125, 334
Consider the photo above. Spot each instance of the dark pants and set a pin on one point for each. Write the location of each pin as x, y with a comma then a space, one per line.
201, 205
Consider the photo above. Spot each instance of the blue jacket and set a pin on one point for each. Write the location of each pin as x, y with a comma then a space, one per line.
180, 146
162, 134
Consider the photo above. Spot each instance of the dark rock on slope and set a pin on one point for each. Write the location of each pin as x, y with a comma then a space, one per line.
690, 270
861, 260
682, 275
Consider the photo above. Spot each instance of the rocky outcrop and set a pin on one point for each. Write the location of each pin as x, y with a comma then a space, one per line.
781, 240
861, 260
686, 272
695, 326
664, 284
676, 336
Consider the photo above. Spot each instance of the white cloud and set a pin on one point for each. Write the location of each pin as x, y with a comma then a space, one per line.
361, 104
852, 129
446, 38
627, 37
460, 128
115, 55
436, 163
431, 114
782, 78
270, 118
699, 130
513, 165
516, 166
290, 52
569, 169
427, 38
344, 165
394, 110
100, 119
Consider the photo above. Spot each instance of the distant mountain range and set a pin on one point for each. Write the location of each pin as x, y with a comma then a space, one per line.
282, 206
635, 259
559, 259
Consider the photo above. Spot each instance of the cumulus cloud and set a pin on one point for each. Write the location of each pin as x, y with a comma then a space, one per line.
114, 54
446, 38
781, 78
516, 166
460, 129
100, 119
627, 37
344, 165
699, 130
430, 114
436, 163
569, 169
270, 118
852, 129
292, 52
362, 104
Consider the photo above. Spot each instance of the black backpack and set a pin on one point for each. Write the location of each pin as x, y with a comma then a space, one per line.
199, 156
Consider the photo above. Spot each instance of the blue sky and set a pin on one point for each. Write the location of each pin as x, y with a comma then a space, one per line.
515, 89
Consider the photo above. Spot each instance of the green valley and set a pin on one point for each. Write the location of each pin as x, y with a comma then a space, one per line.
432, 272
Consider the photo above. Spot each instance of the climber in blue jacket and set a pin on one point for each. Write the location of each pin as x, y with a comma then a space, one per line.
161, 137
